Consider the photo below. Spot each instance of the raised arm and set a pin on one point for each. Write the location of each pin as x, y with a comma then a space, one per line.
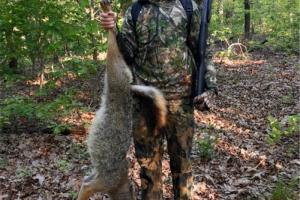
125, 37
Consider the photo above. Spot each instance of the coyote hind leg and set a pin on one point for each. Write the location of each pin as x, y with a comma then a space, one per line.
123, 191
89, 186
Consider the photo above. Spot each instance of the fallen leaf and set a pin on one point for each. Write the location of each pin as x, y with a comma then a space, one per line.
40, 178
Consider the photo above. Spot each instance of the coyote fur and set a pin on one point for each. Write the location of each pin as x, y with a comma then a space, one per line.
110, 134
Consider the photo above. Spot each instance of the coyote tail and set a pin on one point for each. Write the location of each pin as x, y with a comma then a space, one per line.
154, 98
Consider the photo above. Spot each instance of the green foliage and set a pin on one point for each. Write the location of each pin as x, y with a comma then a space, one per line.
59, 128
10, 77
206, 148
287, 99
20, 110
278, 130
63, 165
3, 161
37, 30
73, 195
53, 38
23, 172
81, 68
78, 151
285, 190
16, 109
273, 23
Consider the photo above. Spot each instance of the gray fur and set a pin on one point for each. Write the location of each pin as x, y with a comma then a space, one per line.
110, 133
109, 136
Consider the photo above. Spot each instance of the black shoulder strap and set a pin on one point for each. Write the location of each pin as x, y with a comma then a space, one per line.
188, 7
137, 7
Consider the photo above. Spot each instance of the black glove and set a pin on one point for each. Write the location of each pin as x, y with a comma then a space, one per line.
203, 102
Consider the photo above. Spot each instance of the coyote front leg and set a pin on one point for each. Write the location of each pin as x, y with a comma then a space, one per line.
92, 184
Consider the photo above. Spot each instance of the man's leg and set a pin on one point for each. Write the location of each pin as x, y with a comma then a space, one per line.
179, 133
149, 151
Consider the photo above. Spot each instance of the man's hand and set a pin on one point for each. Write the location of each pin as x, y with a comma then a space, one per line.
108, 20
203, 102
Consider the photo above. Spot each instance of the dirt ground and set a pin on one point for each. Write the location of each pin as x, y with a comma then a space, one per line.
238, 163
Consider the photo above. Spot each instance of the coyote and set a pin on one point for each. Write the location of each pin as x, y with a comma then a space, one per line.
110, 134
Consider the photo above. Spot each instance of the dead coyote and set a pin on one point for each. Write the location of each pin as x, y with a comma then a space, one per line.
110, 134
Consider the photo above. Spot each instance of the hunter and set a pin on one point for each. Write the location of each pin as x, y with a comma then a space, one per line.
160, 47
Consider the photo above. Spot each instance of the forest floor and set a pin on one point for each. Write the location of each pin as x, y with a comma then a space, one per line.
232, 161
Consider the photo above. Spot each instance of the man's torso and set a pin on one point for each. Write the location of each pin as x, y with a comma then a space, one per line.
162, 58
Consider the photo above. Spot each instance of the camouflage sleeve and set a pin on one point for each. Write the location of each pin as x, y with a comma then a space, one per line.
126, 38
210, 75
194, 29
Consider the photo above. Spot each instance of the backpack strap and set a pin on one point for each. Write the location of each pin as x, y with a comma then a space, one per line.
188, 7
136, 9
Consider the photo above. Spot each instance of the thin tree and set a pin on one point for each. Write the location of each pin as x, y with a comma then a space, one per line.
247, 18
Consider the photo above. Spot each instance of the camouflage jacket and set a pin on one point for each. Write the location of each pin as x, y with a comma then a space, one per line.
158, 49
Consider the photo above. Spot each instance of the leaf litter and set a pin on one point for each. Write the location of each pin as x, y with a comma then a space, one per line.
243, 166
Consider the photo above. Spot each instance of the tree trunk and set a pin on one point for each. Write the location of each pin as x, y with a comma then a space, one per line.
247, 18
220, 10
94, 40
13, 64
12, 60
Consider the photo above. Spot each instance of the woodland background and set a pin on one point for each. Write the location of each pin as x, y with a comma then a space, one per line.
52, 58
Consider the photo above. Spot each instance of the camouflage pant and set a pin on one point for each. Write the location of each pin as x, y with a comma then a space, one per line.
149, 150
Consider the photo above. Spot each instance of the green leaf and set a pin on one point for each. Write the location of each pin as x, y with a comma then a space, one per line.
92, 27
84, 3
